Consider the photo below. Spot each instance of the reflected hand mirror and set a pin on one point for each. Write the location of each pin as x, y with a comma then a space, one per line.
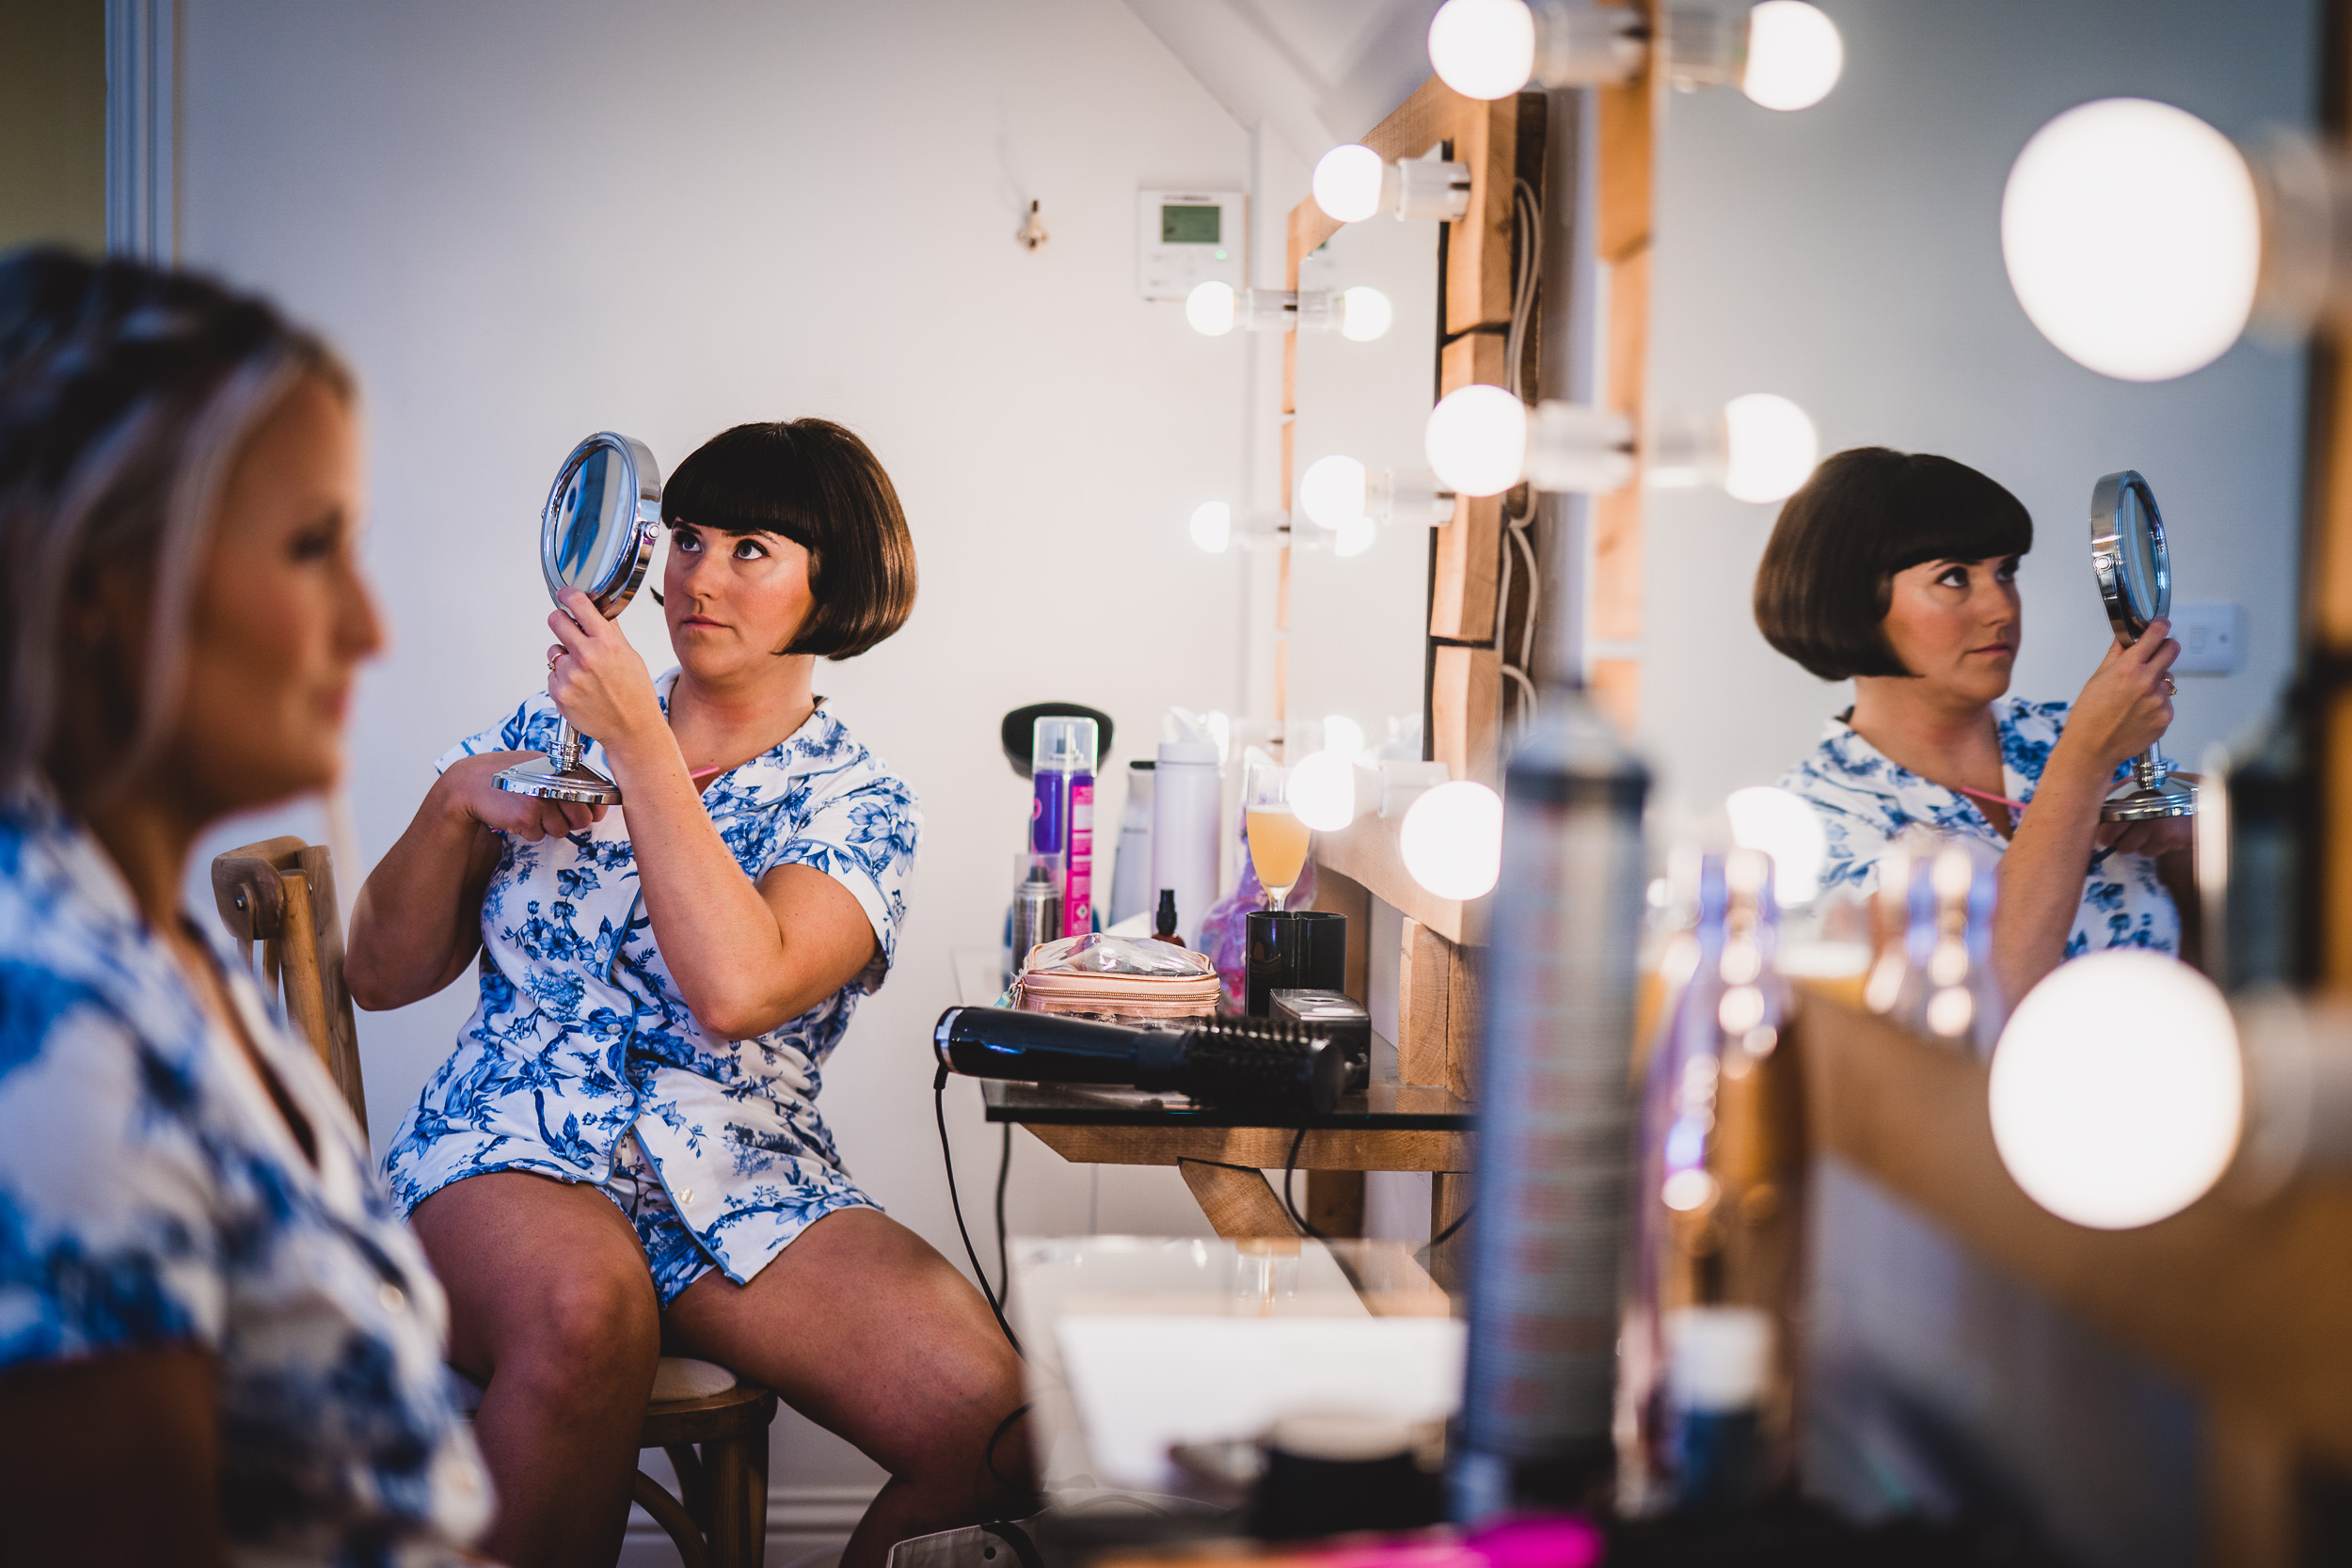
2135, 571
596, 533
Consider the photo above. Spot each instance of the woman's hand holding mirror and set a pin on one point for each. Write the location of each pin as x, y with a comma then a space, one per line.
2126, 705
471, 786
597, 679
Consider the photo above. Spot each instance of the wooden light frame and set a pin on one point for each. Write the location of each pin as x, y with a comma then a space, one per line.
1501, 142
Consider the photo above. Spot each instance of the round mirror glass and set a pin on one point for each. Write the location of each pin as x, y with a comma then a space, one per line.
2128, 551
590, 523
597, 531
2139, 536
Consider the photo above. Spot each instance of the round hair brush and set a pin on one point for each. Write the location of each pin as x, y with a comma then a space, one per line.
1245, 1062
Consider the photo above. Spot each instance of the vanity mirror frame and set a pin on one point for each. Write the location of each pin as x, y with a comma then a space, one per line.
2117, 502
561, 774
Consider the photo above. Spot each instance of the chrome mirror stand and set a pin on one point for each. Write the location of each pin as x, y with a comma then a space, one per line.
596, 533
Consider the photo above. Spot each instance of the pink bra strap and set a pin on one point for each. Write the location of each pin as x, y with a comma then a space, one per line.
1996, 799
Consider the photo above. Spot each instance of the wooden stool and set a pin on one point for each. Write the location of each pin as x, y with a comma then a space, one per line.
281, 893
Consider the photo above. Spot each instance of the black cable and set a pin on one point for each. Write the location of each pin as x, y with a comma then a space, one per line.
1289, 1166
1004, 1263
1447, 1234
988, 1455
947, 1158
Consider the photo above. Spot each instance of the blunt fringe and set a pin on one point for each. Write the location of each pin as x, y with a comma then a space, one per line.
126, 392
816, 483
1827, 576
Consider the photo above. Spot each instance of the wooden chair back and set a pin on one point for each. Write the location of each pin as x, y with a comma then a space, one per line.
281, 894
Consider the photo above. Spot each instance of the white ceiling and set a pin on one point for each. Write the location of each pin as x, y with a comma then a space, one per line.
1313, 71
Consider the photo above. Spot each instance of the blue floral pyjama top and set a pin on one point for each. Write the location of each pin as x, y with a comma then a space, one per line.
582, 1062
153, 1196
1866, 802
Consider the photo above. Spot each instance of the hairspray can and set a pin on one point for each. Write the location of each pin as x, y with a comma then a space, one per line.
1062, 756
1555, 1119
1036, 910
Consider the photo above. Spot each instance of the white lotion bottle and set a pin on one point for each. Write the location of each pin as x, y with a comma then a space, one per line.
1131, 864
1187, 800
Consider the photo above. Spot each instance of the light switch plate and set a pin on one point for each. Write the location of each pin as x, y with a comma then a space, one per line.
2212, 639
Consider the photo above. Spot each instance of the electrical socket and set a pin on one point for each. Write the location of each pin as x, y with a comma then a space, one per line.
2212, 639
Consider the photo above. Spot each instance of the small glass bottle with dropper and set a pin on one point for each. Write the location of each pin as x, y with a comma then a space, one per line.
1163, 919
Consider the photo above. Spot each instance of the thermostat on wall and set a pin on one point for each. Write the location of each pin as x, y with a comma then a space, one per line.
1189, 238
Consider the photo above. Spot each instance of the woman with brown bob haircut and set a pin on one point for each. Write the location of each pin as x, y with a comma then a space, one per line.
623, 1151
1899, 572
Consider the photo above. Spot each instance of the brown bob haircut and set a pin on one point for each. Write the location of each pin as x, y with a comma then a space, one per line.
1827, 576
813, 483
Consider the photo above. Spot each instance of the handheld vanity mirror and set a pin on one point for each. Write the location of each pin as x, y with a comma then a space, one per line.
597, 535
2135, 571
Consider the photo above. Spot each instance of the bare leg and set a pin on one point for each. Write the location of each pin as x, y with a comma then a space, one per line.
867, 1331
552, 1307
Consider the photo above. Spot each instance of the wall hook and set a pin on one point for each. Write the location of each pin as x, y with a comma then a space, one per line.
1031, 233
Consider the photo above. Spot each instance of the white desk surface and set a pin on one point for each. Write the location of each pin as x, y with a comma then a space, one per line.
1135, 1343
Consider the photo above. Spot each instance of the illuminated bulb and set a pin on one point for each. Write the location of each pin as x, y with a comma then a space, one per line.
1686, 1190
2118, 1090
1355, 536
2134, 238
1451, 840
1482, 48
1210, 308
1794, 56
1211, 526
1347, 182
1477, 440
1342, 735
1364, 313
1322, 790
1769, 448
1782, 826
1331, 491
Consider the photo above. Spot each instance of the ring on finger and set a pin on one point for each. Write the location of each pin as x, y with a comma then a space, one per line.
2169, 688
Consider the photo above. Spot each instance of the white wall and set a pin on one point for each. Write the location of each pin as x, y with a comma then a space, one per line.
527, 221
1849, 257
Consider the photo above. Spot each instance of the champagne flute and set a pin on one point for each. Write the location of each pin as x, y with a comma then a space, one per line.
1278, 839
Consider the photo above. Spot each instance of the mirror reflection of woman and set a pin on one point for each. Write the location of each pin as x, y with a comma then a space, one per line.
624, 1151
1898, 571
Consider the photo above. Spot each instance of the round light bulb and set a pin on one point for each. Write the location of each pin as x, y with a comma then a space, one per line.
1322, 790
1782, 826
1769, 448
1451, 840
1347, 182
1364, 313
1210, 308
1483, 48
2133, 238
1344, 735
1794, 56
1211, 526
1331, 492
1477, 440
2118, 1090
1355, 536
